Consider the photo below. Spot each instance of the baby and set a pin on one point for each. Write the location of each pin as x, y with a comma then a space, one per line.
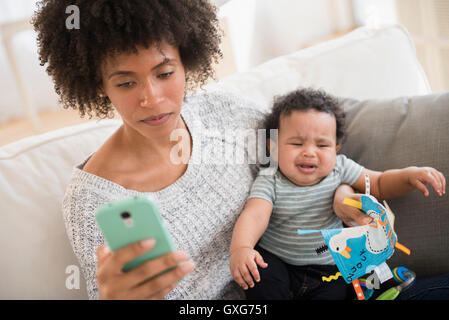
299, 195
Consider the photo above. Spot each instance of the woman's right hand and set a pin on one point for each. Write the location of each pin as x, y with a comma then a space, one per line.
113, 283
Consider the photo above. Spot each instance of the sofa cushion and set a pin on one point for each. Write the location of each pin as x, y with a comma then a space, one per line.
33, 176
408, 131
364, 64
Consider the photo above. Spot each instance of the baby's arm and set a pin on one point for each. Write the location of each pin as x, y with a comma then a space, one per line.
250, 226
397, 182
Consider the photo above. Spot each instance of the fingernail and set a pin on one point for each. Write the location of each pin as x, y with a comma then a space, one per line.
147, 243
179, 256
186, 266
105, 249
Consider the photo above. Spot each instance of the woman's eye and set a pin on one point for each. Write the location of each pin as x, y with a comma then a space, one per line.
297, 144
323, 146
165, 75
125, 84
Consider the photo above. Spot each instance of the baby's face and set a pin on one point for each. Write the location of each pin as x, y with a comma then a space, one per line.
307, 146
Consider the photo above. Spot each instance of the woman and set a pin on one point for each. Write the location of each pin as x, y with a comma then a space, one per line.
141, 58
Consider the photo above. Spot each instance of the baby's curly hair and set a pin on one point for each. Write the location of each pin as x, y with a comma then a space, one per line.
306, 99
108, 27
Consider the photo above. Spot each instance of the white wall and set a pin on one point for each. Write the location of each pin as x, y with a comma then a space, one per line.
259, 30
38, 85
375, 12
264, 29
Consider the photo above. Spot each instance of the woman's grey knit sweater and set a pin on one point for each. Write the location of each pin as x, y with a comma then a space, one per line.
199, 209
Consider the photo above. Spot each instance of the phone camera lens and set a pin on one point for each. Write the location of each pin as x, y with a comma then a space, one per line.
125, 215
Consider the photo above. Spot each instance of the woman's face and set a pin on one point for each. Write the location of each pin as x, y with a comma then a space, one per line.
147, 89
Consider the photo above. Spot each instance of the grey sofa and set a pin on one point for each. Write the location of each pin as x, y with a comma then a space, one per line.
396, 133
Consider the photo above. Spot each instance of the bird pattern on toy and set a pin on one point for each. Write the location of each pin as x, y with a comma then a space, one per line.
358, 250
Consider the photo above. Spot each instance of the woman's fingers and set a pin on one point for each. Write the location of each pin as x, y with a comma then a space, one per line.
353, 216
128, 253
159, 286
123, 255
155, 266
113, 283
161, 294
350, 215
103, 252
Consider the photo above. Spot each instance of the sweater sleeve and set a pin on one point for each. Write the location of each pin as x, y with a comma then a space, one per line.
78, 208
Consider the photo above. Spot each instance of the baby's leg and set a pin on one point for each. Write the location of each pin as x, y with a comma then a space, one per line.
274, 280
308, 284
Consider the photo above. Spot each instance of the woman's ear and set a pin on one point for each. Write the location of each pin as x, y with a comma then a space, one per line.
338, 147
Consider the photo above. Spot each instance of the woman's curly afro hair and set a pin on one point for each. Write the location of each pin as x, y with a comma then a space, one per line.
108, 27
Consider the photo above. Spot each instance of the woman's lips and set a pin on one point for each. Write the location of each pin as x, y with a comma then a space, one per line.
306, 169
157, 120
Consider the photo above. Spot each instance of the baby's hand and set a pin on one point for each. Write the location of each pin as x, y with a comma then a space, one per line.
418, 177
243, 265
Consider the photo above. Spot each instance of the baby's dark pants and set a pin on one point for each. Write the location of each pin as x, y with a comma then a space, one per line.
282, 281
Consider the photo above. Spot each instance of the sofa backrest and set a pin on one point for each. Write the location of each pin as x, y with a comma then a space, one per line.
37, 260
401, 132
364, 64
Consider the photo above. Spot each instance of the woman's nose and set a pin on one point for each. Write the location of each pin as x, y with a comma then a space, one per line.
151, 95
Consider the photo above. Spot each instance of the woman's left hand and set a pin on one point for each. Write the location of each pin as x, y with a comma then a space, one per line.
349, 214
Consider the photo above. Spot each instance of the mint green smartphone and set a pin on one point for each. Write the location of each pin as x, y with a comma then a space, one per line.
134, 219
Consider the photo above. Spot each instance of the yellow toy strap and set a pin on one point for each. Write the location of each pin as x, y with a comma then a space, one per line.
353, 203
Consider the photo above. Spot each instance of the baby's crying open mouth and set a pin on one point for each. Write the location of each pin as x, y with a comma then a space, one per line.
305, 168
